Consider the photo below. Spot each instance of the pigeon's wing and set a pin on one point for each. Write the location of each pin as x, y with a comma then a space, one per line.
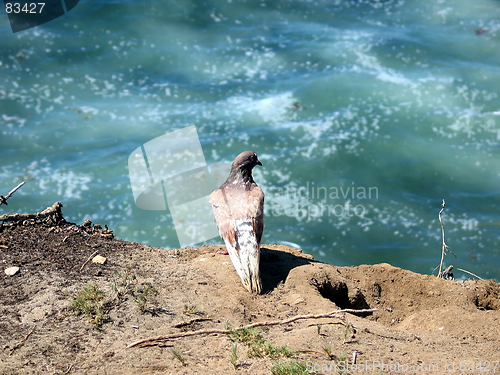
223, 217
255, 206
230, 206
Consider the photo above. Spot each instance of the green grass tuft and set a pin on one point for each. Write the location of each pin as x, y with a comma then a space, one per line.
341, 360
245, 335
179, 356
319, 329
127, 285
141, 296
234, 356
268, 349
191, 310
91, 301
292, 367
329, 351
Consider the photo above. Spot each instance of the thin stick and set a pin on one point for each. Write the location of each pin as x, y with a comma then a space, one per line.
183, 324
3, 200
154, 340
443, 249
470, 273
88, 260
311, 351
20, 343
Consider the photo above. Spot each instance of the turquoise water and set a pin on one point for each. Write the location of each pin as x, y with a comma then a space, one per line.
396, 101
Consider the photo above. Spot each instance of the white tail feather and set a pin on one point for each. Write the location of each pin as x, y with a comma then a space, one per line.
246, 255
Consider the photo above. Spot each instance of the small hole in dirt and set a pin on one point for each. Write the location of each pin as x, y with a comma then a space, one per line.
339, 294
485, 301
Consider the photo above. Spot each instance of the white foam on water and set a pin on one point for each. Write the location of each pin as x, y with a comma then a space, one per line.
372, 66
272, 109
65, 184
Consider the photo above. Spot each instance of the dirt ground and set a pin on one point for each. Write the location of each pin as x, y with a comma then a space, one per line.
424, 325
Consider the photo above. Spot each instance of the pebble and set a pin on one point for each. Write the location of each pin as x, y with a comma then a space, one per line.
11, 271
99, 259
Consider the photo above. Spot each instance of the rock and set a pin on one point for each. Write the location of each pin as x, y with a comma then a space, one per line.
11, 271
99, 259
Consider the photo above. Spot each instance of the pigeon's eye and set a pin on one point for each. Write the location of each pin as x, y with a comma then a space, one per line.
252, 158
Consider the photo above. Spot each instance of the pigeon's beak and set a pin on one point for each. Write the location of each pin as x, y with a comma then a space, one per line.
259, 163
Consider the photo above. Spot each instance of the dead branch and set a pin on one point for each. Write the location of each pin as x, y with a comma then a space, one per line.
446, 274
310, 316
313, 351
3, 200
20, 343
183, 324
88, 260
445, 248
52, 211
470, 273
157, 339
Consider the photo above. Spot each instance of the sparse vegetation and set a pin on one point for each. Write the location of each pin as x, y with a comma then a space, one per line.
245, 335
141, 296
64, 292
319, 329
258, 346
292, 367
268, 349
91, 301
234, 356
179, 356
127, 285
191, 310
341, 362
346, 333
329, 351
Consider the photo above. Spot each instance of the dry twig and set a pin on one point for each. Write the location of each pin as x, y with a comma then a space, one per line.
3, 200
20, 343
157, 339
312, 351
445, 247
470, 273
88, 260
183, 324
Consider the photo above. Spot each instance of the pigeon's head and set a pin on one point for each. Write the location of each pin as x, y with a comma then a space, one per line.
246, 160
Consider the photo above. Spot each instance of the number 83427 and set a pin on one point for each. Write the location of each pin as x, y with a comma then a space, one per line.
24, 8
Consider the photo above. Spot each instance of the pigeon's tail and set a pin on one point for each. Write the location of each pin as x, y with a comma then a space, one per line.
246, 256
251, 275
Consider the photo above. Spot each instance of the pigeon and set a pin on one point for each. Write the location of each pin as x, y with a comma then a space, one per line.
238, 207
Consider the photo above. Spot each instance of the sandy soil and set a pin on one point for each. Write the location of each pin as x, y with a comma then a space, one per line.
424, 325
